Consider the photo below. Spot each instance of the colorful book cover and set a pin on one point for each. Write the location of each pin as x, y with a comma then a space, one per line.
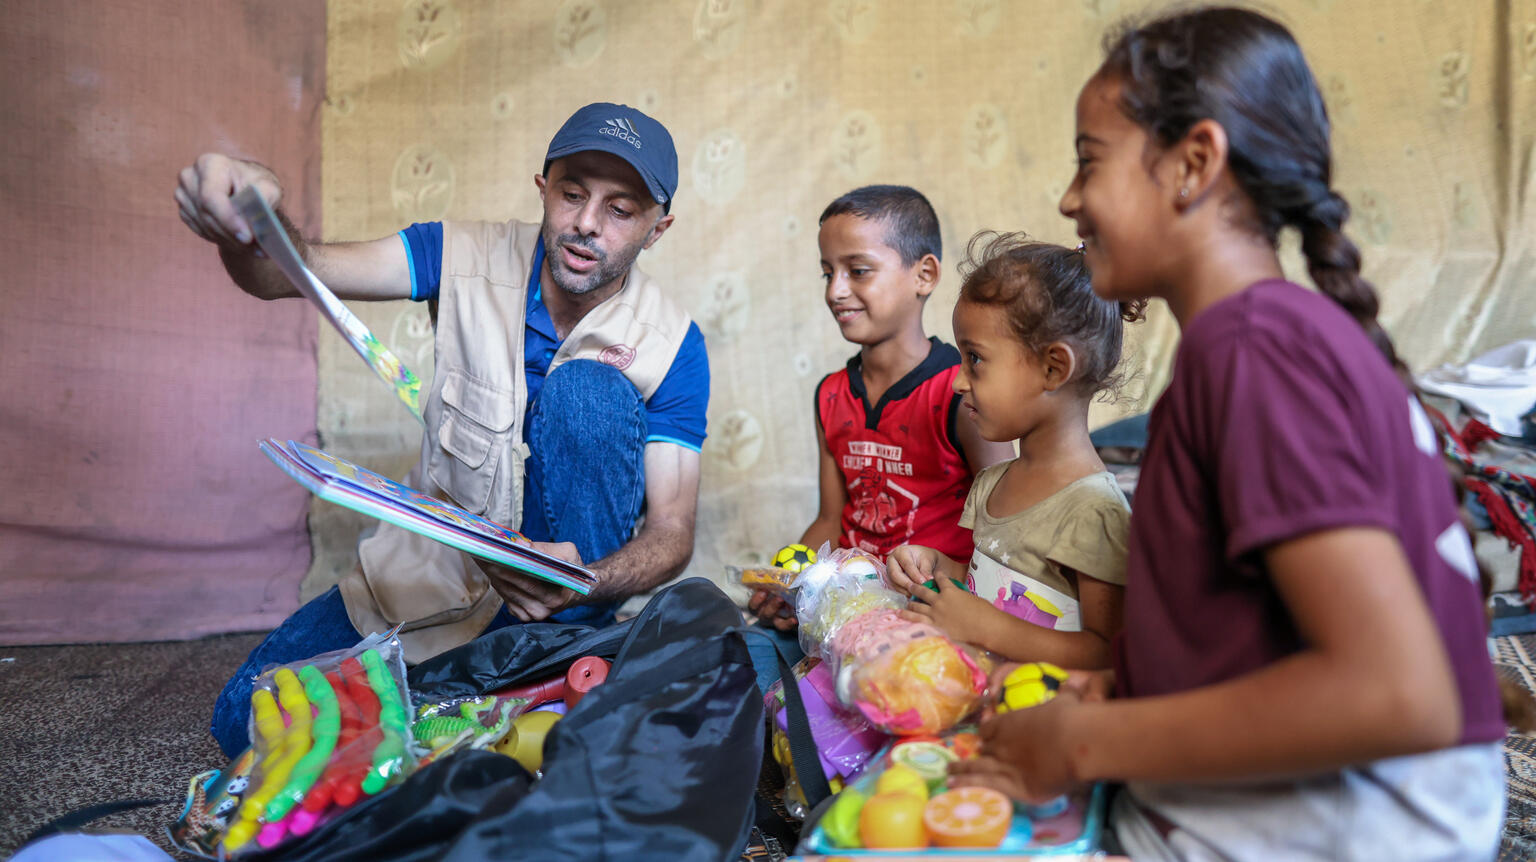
362, 490
274, 241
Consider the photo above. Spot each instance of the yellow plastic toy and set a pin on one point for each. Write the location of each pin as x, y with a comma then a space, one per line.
1030, 685
524, 743
293, 744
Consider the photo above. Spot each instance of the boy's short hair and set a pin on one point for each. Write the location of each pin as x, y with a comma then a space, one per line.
912, 227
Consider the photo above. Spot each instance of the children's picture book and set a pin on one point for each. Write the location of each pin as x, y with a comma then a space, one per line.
362, 490
274, 241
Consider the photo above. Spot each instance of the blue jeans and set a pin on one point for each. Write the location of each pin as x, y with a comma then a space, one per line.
584, 484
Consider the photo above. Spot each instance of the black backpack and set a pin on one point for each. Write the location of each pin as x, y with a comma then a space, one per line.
660, 761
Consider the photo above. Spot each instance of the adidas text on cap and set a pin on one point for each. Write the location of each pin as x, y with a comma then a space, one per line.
626, 133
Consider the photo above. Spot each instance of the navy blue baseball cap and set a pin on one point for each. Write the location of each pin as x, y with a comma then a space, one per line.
626, 133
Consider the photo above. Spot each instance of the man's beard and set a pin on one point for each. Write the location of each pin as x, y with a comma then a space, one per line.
607, 269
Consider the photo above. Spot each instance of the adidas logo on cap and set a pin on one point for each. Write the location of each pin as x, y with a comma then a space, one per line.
622, 129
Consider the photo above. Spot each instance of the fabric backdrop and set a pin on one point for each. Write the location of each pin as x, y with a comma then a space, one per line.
133, 502
443, 109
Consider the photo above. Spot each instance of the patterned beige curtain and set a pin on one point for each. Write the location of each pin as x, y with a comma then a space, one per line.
443, 108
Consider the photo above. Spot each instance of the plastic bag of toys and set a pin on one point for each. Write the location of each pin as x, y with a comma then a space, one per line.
325, 733
443, 727
905, 677
839, 586
844, 739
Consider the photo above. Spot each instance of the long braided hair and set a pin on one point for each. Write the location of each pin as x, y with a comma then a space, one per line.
1246, 72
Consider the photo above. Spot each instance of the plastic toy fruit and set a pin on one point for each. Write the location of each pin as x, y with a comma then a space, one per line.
893, 821
841, 822
1030, 685
524, 743
900, 778
931, 760
965, 745
968, 817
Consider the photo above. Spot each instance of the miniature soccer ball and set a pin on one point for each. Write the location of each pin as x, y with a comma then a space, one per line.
1030, 685
793, 558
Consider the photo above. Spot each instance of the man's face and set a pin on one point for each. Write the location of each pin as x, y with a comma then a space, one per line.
598, 215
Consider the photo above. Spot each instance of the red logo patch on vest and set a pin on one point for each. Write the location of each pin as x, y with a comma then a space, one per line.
620, 356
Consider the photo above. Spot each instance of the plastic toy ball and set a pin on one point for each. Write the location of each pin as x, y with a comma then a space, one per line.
1030, 685
793, 558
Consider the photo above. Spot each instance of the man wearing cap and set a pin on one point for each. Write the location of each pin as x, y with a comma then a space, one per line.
568, 395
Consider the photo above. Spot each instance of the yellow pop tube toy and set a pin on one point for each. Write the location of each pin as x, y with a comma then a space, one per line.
292, 745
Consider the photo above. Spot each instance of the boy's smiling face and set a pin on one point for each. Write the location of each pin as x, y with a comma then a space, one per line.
873, 296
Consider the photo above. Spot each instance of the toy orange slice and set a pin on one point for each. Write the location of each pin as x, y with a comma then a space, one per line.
968, 817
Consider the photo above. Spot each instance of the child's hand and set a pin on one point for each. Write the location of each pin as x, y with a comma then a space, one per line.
1024, 752
773, 609
910, 566
1092, 686
957, 612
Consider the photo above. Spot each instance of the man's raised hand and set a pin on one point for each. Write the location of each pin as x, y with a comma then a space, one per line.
204, 193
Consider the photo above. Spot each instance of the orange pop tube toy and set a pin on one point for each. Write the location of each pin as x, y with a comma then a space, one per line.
350, 787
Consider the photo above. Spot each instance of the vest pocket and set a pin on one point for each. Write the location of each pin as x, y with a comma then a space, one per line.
474, 430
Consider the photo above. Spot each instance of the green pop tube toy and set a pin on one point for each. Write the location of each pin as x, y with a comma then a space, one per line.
387, 757
323, 731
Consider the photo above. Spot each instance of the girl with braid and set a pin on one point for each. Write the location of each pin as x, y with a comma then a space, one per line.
1303, 671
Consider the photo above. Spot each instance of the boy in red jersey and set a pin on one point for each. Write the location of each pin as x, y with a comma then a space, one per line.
897, 457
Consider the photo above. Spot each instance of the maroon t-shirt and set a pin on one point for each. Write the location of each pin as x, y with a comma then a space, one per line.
1282, 419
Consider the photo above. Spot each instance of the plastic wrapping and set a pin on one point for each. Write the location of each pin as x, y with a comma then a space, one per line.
780, 582
904, 677
844, 739
839, 586
325, 732
443, 727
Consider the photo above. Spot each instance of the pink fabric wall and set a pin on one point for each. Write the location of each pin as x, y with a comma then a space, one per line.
136, 378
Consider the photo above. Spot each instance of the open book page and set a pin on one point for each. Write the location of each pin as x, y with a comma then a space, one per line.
274, 241
362, 490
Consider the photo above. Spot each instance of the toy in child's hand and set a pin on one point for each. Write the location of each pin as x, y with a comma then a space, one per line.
780, 582
931, 584
1030, 685
793, 558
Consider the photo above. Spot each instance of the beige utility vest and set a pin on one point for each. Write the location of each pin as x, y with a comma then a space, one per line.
472, 450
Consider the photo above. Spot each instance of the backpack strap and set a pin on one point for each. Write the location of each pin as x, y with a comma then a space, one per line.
802, 745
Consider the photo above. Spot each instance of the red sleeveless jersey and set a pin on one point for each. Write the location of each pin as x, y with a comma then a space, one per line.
906, 477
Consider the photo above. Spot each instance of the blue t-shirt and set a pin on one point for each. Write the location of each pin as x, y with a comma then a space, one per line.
674, 412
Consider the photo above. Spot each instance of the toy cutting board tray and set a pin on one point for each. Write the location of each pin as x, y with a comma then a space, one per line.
1074, 832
